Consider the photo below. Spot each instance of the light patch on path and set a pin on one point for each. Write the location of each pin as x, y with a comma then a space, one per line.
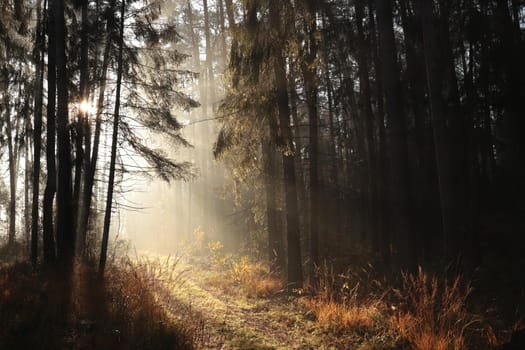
236, 322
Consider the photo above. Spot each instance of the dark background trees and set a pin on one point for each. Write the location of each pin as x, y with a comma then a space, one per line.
386, 131
403, 127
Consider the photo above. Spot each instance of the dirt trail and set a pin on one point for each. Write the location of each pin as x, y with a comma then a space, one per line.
235, 322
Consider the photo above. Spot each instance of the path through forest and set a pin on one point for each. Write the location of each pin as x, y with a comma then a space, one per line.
232, 321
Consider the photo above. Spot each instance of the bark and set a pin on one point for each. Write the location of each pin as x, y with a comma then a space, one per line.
37, 131
12, 177
275, 244
365, 105
210, 81
224, 56
111, 181
65, 232
449, 209
295, 275
83, 155
309, 70
230, 13
382, 239
416, 101
399, 220
49, 192
89, 178
197, 61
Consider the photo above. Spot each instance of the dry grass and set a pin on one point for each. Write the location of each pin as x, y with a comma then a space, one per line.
433, 315
44, 310
254, 278
427, 313
339, 317
338, 305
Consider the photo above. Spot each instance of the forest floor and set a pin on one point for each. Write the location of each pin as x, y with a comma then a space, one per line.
227, 317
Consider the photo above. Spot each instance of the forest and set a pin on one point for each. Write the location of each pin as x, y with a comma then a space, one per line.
262, 174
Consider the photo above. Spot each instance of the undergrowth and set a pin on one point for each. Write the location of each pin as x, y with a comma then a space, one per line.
235, 273
338, 304
426, 313
44, 310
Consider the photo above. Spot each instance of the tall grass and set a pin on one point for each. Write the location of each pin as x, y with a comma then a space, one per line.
337, 303
433, 314
426, 313
44, 310
255, 278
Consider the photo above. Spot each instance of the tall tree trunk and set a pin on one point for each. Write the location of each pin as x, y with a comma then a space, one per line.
449, 209
83, 124
11, 150
37, 130
295, 275
382, 240
416, 98
65, 232
398, 159
309, 70
49, 192
275, 243
365, 105
210, 81
224, 55
197, 61
89, 178
27, 182
111, 181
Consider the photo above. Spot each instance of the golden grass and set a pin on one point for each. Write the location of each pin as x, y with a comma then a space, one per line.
339, 317
44, 310
255, 278
337, 305
433, 314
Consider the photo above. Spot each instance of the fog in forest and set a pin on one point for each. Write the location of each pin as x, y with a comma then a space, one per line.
262, 174
162, 217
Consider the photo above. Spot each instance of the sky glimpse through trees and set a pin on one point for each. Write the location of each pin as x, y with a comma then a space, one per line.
306, 140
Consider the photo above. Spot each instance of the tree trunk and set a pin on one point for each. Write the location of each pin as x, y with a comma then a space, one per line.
365, 106
210, 81
449, 209
111, 181
224, 56
398, 159
295, 275
416, 97
11, 150
309, 70
37, 131
65, 232
89, 178
275, 243
49, 192
84, 126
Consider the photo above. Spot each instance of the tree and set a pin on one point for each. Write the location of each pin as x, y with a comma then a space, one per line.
398, 159
38, 53
295, 275
65, 231
116, 116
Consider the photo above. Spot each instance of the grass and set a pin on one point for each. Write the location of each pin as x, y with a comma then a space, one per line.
364, 311
44, 310
434, 315
337, 305
234, 273
255, 278
426, 313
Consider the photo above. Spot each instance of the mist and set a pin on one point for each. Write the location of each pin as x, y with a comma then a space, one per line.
262, 174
